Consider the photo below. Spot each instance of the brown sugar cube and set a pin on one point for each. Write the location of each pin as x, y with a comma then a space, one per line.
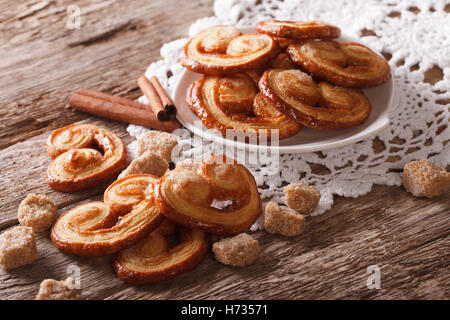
161, 143
187, 164
238, 251
17, 247
283, 221
59, 290
37, 211
302, 198
425, 179
149, 163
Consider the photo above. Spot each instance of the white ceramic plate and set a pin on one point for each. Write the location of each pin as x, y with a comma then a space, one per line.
307, 140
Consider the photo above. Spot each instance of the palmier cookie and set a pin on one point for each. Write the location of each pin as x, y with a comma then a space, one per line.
282, 61
346, 64
153, 260
229, 103
223, 50
185, 196
318, 106
298, 30
91, 229
84, 156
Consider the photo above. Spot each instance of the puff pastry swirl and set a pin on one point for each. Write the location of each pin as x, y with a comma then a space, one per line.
210, 99
78, 164
298, 30
318, 106
152, 259
346, 64
185, 196
224, 50
90, 229
123, 194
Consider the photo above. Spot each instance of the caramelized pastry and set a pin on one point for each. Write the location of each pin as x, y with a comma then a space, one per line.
263, 109
209, 98
282, 61
78, 164
255, 74
283, 43
218, 38
123, 194
346, 64
235, 94
167, 228
185, 196
318, 106
90, 230
298, 30
221, 50
152, 260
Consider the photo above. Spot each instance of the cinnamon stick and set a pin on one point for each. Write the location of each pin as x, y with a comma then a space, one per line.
117, 108
152, 95
167, 102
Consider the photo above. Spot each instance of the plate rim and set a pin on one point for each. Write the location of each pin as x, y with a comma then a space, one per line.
318, 146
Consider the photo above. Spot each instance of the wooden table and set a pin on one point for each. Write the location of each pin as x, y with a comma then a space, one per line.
42, 63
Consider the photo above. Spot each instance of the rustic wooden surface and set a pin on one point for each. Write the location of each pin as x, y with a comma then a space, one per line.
42, 62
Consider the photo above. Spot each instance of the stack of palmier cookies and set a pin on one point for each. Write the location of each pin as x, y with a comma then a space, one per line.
156, 228
285, 76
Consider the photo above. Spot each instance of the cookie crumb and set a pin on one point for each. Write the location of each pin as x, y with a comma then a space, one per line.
149, 163
161, 143
302, 198
17, 247
237, 251
425, 179
37, 211
283, 221
59, 290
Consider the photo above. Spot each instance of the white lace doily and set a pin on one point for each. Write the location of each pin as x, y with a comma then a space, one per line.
413, 35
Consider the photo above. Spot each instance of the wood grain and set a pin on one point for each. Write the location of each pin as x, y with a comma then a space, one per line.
407, 239
42, 63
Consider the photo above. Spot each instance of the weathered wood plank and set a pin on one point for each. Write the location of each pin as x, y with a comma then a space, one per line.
42, 62
408, 239
329, 261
